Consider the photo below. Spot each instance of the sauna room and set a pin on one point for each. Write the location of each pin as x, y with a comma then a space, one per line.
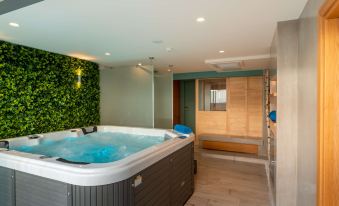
169, 103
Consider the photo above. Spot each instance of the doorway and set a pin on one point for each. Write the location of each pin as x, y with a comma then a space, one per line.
184, 102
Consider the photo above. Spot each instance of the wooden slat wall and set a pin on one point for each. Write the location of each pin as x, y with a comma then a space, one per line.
237, 106
254, 106
211, 122
244, 115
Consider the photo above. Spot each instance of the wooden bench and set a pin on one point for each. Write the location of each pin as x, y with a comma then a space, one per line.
231, 143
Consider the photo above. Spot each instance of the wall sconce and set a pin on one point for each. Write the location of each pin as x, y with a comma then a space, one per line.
78, 73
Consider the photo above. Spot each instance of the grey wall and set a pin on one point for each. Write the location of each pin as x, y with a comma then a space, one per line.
163, 100
127, 96
297, 50
287, 119
307, 104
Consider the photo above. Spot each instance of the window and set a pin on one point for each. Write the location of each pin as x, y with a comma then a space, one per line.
212, 95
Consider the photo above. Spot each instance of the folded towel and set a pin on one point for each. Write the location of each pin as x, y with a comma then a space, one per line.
183, 129
273, 116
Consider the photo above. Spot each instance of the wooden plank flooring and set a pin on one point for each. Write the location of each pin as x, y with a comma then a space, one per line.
222, 182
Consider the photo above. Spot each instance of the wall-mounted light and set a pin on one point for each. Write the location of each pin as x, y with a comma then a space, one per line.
78, 72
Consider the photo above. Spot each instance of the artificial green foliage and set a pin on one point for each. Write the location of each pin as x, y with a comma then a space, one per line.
38, 92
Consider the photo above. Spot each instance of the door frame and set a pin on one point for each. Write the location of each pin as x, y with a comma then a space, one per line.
325, 190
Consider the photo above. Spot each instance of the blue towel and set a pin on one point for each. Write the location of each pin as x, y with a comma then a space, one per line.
273, 116
182, 129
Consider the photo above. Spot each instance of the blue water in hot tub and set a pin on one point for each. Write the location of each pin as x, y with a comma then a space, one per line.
100, 147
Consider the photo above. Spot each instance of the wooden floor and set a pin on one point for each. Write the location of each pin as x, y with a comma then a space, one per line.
229, 183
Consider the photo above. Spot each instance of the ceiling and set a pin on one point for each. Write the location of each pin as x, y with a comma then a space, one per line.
133, 30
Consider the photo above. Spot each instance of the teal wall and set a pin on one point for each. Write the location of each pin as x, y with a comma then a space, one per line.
214, 74
38, 91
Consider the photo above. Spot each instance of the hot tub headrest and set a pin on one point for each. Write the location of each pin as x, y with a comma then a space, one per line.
71, 162
85, 130
4, 144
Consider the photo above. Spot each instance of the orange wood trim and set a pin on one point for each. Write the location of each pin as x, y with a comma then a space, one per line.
330, 9
228, 98
328, 166
246, 100
197, 119
230, 146
320, 140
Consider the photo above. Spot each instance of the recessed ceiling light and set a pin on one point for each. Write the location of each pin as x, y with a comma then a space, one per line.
200, 19
221, 51
108, 54
13, 24
140, 64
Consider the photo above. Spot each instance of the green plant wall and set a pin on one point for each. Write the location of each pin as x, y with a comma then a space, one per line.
38, 92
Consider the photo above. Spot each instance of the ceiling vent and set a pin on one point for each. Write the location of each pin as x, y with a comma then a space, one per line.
240, 63
227, 66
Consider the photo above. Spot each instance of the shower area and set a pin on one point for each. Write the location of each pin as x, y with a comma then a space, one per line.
138, 96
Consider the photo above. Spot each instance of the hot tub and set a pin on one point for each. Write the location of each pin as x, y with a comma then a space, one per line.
151, 167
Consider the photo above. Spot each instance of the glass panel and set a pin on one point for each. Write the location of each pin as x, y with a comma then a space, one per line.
212, 95
163, 103
127, 96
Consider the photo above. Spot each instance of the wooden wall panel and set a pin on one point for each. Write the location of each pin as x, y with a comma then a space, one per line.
255, 106
244, 115
231, 146
211, 122
237, 106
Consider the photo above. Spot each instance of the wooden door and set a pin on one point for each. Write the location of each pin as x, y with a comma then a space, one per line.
176, 102
328, 106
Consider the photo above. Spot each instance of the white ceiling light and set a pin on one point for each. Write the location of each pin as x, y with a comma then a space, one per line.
140, 64
200, 19
108, 54
221, 51
13, 24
